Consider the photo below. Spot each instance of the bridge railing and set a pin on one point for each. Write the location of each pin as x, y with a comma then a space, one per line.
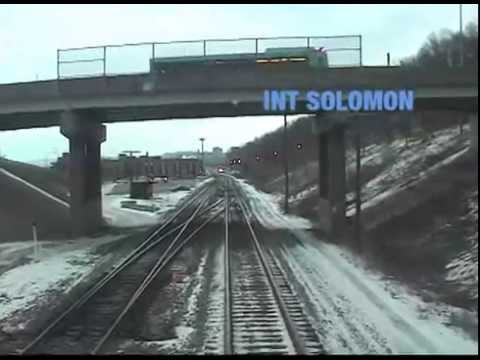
134, 58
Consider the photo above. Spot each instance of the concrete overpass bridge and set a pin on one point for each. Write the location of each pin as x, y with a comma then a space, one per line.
80, 106
226, 91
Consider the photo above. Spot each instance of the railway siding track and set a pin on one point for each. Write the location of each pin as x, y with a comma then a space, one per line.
261, 311
87, 325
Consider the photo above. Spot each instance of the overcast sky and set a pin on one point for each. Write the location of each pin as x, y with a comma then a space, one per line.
31, 34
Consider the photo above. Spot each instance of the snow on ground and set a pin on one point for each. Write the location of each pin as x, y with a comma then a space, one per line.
401, 165
298, 177
214, 326
117, 216
407, 324
27, 282
266, 209
58, 267
370, 157
376, 191
10, 252
357, 309
463, 269
408, 165
186, 326
303, 194
192, 307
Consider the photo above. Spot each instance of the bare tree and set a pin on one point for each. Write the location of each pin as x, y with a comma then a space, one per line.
443, 49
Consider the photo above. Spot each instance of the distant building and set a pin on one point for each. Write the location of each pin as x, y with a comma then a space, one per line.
211, 158
143, 166
157, 166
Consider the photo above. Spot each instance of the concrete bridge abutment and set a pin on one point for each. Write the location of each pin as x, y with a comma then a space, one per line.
85, 133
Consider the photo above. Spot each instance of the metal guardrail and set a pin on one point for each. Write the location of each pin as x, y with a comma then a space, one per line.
344, 50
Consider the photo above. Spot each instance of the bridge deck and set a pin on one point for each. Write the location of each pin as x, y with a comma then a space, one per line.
226, 90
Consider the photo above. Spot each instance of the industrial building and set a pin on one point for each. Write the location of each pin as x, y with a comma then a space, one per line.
142, 166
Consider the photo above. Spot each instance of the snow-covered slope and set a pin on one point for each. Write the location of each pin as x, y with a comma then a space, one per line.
356, 309
463, 269
406, 185
405, 166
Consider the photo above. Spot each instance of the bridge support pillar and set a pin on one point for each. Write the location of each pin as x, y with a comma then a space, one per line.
337, 178
332, 175
85, 133
473, 121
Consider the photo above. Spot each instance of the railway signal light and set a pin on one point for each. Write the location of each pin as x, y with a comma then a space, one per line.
257, 158
299, 146
275, 153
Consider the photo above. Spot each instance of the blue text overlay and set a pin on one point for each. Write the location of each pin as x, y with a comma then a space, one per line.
338, 100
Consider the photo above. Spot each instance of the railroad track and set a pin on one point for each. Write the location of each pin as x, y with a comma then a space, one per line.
88, 325
262, 313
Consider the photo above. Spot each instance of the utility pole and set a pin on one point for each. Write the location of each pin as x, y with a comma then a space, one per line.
285, 161
461, 35
148, 167
358, 200
130, 158
461, 53
203, 156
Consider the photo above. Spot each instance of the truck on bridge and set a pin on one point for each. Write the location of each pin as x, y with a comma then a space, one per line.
313, 57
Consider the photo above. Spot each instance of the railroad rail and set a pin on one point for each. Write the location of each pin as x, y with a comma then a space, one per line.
89, 323
262, 312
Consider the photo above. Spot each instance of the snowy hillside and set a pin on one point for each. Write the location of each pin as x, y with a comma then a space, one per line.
404, 166
463, 269
419, 201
